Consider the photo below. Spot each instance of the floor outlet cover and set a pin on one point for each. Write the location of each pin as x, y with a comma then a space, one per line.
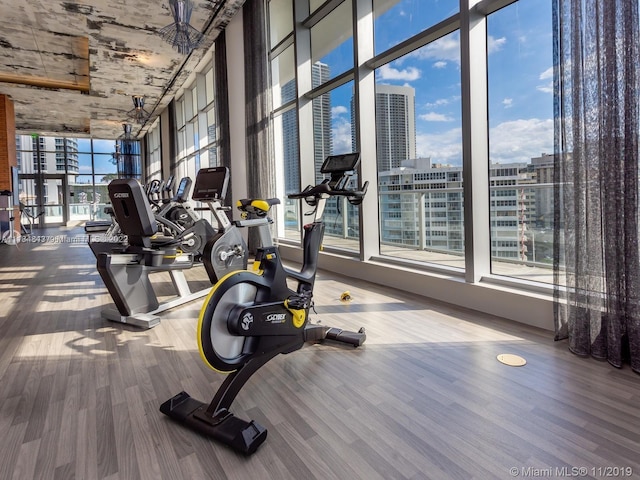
511, 360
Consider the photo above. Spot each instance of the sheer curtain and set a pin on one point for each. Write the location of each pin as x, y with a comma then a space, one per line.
260, 162
596, 258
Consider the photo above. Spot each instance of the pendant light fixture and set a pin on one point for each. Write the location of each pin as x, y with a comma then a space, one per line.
138, 114
180, 34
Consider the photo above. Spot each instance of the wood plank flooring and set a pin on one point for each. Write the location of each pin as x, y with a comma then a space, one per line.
425, 398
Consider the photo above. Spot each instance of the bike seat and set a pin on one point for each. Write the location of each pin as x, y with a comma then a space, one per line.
257, 206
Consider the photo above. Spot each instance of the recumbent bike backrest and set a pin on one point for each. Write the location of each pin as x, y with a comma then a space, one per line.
133, 212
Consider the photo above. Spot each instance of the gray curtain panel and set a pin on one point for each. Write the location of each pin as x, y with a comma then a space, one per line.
222, 108
596, 258
260, 163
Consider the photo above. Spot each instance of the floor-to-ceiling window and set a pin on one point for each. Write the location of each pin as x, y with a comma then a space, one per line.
419, 150
331, 92
196, 125
197, 130
432, 123
520, 93
154, 153
284, 114
65, 179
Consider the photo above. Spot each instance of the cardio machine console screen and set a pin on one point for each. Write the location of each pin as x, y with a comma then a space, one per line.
211, 184
183, 187
340, 163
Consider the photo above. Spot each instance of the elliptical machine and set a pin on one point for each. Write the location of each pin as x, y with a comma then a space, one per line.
249, 318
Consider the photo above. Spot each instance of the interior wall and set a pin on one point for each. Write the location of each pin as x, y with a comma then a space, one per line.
523, 307
8, 157
7, 141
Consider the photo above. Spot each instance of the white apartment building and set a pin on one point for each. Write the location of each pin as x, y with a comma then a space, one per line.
421, 207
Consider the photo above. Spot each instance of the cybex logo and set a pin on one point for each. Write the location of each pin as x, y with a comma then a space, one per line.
121, 195
247, 320
276, 317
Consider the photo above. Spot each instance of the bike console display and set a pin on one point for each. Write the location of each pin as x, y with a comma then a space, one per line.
182, 194
211, 184
340, 163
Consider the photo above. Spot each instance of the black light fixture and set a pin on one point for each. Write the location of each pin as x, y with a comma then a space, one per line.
180, 34
138, 114
127, 135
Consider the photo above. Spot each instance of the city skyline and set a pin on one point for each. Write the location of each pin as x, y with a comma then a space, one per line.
520, 76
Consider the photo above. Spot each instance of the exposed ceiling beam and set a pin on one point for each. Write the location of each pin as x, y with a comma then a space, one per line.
82, 85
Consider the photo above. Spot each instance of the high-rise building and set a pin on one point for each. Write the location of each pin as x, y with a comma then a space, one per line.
322, 138
395, 125
49, 156
290, 152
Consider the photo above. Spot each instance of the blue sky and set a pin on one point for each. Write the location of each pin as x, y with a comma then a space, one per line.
520, 80
104, 150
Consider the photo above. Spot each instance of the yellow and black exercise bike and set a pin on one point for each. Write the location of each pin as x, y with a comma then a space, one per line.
249, 317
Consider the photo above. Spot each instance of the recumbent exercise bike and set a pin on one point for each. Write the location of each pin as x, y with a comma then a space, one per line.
249, 318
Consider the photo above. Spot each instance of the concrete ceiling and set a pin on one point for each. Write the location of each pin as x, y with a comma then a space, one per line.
71, 67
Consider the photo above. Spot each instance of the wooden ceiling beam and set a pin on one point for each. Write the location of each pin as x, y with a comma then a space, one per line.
82, 86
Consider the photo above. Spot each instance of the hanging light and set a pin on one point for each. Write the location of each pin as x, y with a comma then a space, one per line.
127, 135
138, 114
116, 155
180, 34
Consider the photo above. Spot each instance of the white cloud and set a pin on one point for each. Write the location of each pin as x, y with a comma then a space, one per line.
548, 73
339, 110
435, 117
387, 72
520, 140
507, 102
341, 134
548, 88
513, 141
446, 49
441, 148
437, 103
495, 44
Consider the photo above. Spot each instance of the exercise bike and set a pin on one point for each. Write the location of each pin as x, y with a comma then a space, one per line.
249, 318
227, 251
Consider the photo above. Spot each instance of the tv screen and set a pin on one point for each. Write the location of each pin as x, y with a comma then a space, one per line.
211, 184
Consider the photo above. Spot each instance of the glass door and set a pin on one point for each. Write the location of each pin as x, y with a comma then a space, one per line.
55, 200
30, 203
45, 199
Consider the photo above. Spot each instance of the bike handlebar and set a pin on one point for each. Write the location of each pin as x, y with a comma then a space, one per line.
354, 197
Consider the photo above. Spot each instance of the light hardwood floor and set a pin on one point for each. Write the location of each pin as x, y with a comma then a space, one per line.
425, 398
